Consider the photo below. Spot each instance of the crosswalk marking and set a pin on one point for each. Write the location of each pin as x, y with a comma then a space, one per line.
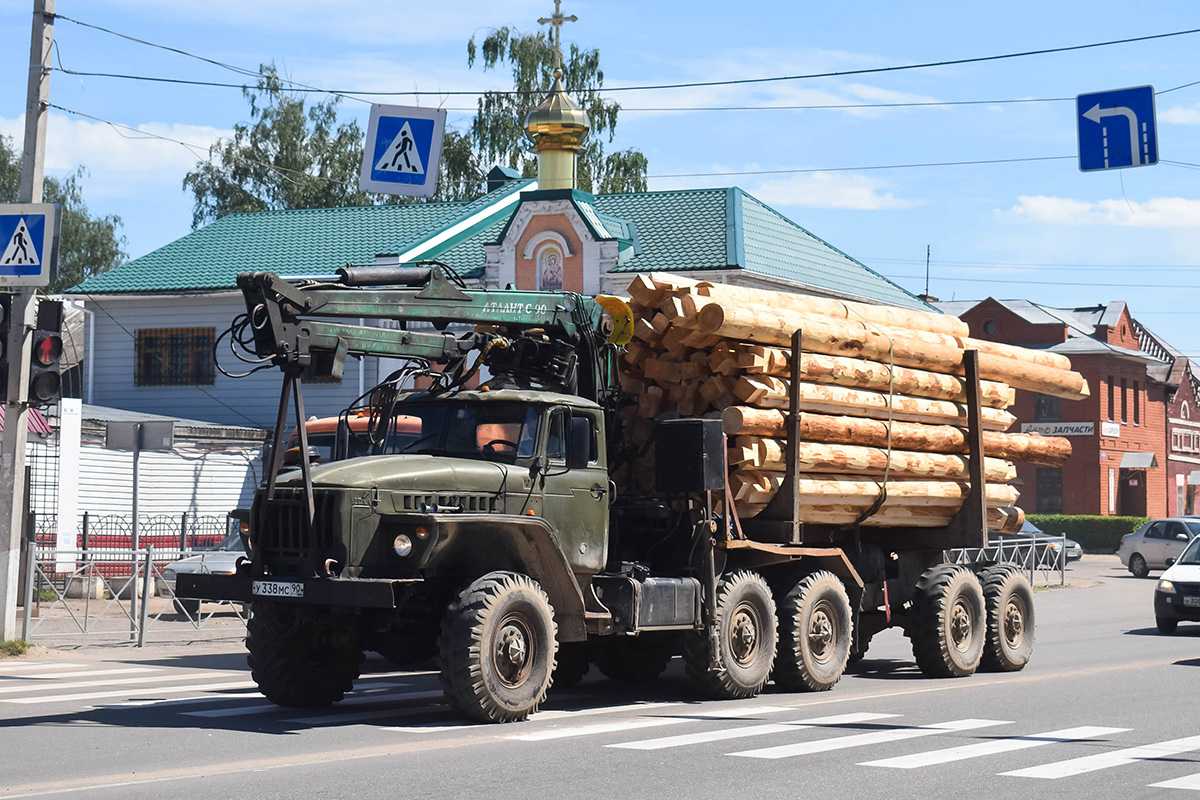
750, 730
52, 680
875, 737
105, 682
268, 707
34, 666
63, 698
182, 701
1191, 782
654, 722
1078, 766
992, 748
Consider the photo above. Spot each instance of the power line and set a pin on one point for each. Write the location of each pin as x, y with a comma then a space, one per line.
862, 168
990, 265
1051, 283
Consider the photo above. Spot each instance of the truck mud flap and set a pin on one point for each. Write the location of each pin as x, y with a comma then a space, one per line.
306, 591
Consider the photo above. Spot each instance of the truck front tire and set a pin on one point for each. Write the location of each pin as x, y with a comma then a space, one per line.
497, 648
815, 627
747, 628
948, 622
297, 661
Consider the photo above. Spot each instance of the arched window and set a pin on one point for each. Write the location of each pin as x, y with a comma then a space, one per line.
1185, 411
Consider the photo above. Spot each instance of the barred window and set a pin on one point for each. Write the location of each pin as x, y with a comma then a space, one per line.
174, 357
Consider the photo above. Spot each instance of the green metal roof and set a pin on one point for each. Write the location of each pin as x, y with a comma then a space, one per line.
298, 242
696, 229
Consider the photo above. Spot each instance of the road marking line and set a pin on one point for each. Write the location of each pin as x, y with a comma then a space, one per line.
752, 730
875, 737
992, 748
30, 666
269, 707
52, 680
654, 722
183, 701
1191, 782
62, 698
1117, 758
208, 676
561, 713
335, 718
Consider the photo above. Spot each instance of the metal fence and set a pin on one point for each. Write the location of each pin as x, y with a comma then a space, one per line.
1043, 556
108, 587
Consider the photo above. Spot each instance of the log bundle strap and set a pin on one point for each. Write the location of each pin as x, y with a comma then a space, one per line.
877, 402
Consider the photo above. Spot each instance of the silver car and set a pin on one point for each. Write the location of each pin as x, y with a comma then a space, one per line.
221, 559
1151, 545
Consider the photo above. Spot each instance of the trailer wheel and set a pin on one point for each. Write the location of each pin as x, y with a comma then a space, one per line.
948, 622
1010, 619
497, 648
634, 659
746, 633
297, 661
815, 627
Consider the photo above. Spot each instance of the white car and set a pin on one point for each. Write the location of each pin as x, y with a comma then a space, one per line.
222, 559
1177, 596
1151, 545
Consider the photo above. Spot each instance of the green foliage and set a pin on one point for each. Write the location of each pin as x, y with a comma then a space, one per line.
498, 129
13, 647
289, 156
1095, 534
89, 245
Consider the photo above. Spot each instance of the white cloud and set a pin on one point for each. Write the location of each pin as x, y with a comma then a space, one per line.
830, 190
121, 162
1181, 115
1157, 213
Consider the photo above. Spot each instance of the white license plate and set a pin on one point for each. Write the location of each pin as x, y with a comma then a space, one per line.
277, 589
1191, 601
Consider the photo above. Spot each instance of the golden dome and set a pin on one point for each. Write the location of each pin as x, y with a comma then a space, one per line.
557, 123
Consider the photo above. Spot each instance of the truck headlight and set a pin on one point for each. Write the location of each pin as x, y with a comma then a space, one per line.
1166, 586
402, 545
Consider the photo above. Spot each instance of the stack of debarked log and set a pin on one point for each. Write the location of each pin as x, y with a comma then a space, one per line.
881, 399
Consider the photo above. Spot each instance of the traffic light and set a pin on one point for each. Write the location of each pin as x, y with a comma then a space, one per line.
45, 371
5, 323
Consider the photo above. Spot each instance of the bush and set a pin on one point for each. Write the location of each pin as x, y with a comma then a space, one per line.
1094, 534
13, 647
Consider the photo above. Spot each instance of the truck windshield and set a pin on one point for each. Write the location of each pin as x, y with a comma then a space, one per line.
494, 431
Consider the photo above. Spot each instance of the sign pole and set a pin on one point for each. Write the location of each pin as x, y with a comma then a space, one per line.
16, 422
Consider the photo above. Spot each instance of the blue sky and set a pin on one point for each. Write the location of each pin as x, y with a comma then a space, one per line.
1037, 230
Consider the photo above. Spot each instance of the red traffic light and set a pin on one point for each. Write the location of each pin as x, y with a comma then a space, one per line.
47, 349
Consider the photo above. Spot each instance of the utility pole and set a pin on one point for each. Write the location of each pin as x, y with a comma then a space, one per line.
16, 420
927, 269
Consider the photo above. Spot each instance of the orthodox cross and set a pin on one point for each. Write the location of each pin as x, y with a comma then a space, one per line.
556, 36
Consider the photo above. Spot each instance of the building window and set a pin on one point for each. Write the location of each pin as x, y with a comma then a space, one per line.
1111, 405
174, 357
1124, 402
1047, 408
989, 326
1049, 490
1137, 405
1185, 412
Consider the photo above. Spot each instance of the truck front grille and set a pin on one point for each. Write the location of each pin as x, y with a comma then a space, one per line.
282, 535
470, 504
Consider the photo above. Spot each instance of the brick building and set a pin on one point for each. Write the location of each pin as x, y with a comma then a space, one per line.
1181, 388
1119, 434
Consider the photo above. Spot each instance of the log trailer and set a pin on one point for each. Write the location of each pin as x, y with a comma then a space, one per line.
485, 528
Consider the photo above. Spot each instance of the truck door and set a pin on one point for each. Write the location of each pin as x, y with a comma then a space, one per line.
576, 494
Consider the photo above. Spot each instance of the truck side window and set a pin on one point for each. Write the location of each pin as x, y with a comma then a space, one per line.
556, 441
528, 440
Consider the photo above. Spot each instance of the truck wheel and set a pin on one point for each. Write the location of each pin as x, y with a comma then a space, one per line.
634, 659
948, 622
815, 626
572, 664
746, 633
298, 662
497, 648
1008, 598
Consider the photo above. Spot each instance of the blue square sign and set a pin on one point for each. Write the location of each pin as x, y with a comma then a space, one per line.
26, 244
1116, 129
402, 151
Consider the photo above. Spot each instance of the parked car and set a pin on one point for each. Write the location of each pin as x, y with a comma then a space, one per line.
222, 558
1177, 596
1151, 545
1073, 551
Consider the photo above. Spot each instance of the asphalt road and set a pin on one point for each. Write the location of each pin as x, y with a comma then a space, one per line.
1105, 709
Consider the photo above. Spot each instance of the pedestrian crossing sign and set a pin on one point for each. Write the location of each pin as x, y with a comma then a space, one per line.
27, 234
402, 150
